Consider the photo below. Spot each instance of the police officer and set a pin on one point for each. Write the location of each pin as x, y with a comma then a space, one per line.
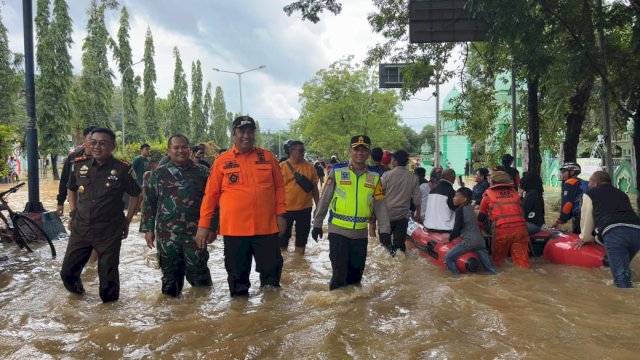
82, 150
171, 212
353, 194
96, 187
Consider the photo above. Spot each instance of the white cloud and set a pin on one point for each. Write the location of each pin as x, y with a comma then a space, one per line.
237, 36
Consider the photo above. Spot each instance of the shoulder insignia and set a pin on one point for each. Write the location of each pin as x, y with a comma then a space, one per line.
124, 162
80, 158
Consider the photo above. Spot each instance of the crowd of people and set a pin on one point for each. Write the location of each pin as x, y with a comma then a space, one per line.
254, 201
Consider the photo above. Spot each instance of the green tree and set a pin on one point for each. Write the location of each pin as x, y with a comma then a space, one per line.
178, 103
149, 79
133, 131
411, 142
207, 109
11, 82
54, 83
342, 101
221, 122
96, 84
310, 9
198, 119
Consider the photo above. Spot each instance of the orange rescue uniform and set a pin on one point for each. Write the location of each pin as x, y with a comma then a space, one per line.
501, 204
298, 199
250, 191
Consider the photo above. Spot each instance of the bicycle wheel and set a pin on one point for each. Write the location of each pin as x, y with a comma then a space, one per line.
31, 233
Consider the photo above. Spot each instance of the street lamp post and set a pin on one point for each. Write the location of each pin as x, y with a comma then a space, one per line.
122, 95
239, 73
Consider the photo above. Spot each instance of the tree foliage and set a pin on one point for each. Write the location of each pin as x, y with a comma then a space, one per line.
96, 82
178, 103
221, 123
342, 101
198, 120
11, 83
310, 9
207, 109
123, 54
150, 120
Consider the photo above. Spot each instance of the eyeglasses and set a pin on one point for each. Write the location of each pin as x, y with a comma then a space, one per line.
100, 144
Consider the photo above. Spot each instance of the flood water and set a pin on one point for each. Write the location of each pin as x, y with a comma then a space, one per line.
406, 308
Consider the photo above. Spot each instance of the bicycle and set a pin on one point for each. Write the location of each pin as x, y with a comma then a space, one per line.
19, 228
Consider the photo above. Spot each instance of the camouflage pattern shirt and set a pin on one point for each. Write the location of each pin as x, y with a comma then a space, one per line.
172, 202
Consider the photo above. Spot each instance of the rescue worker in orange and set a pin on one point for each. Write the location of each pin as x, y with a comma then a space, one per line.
299, 199
501, 206
246, 183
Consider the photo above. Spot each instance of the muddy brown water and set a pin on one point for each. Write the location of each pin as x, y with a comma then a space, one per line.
406, 308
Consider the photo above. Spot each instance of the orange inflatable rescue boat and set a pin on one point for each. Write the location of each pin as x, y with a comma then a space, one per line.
435, 245
559, 249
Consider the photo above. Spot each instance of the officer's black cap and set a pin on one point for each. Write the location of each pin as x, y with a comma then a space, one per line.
363, 140
242, 121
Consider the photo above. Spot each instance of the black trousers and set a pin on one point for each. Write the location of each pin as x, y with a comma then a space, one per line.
238, 252
399, 233
302, 219
348, 258
78, 253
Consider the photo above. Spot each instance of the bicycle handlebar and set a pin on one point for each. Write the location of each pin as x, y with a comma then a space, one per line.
12, 190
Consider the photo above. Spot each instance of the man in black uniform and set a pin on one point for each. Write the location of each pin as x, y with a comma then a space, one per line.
68, 164
96, 187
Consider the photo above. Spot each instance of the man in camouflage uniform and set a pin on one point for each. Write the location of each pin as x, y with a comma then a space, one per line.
171, 211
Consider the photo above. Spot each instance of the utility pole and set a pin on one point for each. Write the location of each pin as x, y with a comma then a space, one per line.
239, 73
513, 117
608, 159
34, 204
437, 160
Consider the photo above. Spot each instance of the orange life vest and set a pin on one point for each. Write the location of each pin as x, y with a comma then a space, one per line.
504, 206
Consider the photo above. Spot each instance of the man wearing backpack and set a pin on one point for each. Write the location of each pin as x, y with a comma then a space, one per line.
298, 199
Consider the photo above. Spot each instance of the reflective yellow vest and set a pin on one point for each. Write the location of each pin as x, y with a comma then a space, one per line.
353, 197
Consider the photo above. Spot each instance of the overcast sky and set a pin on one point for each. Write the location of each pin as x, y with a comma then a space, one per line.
238, 35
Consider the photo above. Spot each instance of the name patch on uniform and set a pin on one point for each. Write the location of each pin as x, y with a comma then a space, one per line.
233, 177
261, 158
231, 164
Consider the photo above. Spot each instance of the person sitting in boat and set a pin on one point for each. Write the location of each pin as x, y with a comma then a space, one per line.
440, 208
532, 201
482, 183
608, 211
501, 205
466, 226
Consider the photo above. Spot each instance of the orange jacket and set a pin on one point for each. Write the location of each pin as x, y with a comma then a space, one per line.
249, 190
502, 204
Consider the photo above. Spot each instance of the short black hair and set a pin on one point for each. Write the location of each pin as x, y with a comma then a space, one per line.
109, 132
484, 172
421, 172
87, 130
145, 145
466, 192
293, 143
402, 157
175, 136
376, 154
